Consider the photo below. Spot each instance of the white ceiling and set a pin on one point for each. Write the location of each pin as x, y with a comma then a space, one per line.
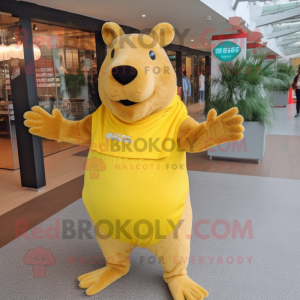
181, 14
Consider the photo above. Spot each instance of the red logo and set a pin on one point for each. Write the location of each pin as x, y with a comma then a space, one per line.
39, 258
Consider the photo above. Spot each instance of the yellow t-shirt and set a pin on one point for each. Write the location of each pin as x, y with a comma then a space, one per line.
136, 178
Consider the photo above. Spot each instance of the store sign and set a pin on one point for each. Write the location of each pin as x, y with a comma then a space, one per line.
227, 51
226, 48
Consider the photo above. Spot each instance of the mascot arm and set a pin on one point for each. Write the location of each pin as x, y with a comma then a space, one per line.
194, 137
55, 127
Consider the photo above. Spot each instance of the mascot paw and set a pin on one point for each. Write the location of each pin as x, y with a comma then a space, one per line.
98, 280
43, 124
182, 287
227, 126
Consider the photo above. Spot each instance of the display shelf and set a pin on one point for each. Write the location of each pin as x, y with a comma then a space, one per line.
7, 109
6, 79
45, 78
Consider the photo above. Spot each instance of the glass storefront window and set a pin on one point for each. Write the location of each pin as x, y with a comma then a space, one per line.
193, 83
172, 58
9, 35
66, 74
194, 80
192, 67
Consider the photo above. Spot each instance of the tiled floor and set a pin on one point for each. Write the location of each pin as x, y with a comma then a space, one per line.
264, 267
281, 160
286, 123
60, 168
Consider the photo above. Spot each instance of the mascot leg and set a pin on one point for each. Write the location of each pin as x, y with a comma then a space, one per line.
174, 252
116, 254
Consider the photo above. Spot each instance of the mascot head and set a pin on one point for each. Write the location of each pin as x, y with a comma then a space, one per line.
136, 78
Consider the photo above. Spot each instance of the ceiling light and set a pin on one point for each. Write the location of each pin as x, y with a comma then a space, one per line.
4, 53
36, 52
34, 27
16, 51
14, 38
192, 40
143, 16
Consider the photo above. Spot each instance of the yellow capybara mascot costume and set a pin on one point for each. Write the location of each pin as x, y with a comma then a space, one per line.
139, 137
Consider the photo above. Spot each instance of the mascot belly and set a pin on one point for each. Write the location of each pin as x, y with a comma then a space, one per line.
143, 180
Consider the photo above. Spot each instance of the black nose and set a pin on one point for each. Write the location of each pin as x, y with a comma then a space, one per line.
124, 74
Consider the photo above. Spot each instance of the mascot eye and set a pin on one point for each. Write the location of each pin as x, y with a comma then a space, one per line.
113, 53
152, 55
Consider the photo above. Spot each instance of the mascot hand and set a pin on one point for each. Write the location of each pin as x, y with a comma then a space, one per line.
225, 127
44, 124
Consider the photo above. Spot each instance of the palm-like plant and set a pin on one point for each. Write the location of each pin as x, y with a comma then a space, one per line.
247, 84
286, 74
75, 80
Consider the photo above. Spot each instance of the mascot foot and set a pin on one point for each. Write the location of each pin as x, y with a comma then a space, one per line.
98, 280
182, 287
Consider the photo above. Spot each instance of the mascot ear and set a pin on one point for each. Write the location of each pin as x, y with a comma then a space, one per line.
110, 31
163, 34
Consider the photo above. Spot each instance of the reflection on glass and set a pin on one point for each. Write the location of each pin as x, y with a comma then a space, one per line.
172, 57
193, 83
8, 145
66, 74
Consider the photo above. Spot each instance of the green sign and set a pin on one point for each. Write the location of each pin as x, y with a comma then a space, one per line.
227, 51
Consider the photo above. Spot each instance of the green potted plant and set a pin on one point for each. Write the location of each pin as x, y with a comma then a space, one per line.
286, 73
75, 81
247, 84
